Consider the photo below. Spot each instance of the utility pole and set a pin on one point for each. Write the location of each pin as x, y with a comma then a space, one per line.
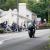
17, 14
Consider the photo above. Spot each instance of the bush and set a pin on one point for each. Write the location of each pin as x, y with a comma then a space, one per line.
1, 31
48, 25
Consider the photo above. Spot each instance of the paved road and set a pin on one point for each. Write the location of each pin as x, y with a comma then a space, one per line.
23, 42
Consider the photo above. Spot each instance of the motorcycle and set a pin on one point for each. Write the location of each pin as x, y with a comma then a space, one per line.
31, 33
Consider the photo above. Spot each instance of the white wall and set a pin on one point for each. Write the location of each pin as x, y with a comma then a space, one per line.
22, 9
11, 15
29, 13
21, 21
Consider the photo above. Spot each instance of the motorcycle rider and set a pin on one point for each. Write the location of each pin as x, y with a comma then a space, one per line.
31, 29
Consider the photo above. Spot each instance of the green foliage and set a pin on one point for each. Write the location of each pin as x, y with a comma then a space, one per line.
1, 31
48, 11
49, 37
40, 8
22, 1
2, 2
8, 4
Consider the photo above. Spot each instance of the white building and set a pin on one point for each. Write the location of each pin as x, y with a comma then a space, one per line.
25, 15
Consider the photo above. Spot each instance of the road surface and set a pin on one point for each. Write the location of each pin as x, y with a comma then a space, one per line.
22, 41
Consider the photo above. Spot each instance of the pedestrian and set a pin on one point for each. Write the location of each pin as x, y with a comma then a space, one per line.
24, 26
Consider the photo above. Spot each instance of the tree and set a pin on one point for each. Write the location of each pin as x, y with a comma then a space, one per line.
48, 11
40, 7
22, 1
11, 4
2, 2
8, 4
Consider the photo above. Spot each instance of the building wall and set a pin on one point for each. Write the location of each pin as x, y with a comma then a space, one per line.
22, 9
25, 15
